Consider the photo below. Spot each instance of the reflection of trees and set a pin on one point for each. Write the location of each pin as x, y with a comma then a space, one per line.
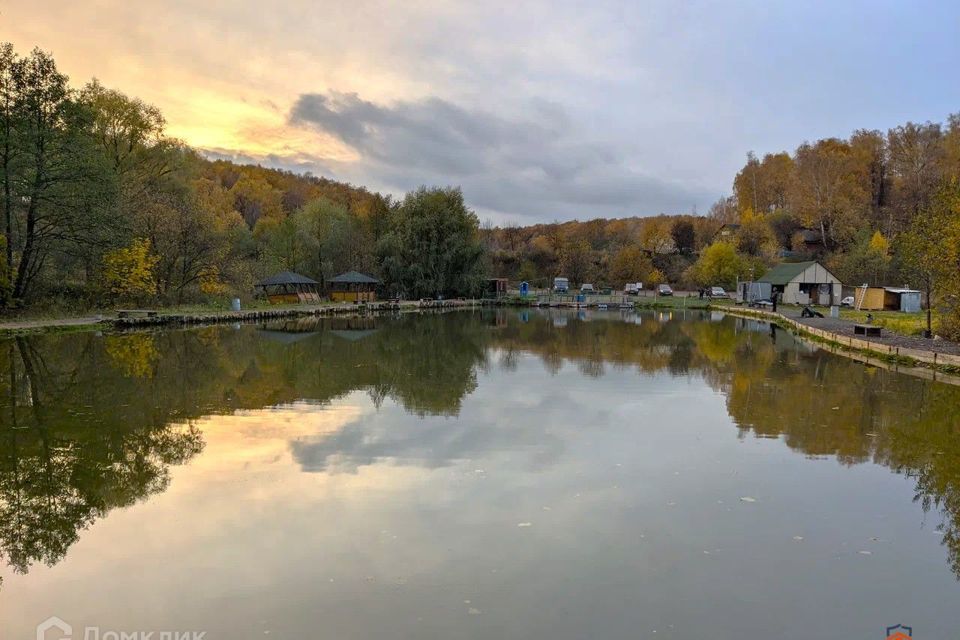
827, 405
63, 464
89, 424
820, 404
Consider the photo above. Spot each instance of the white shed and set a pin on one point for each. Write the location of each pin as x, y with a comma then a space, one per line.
804, 283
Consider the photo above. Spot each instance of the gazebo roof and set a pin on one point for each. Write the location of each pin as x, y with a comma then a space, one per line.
354, 277
286, 277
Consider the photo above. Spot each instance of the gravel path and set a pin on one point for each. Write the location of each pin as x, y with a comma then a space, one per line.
845, 327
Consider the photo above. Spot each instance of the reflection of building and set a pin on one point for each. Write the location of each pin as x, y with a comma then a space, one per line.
889, 298
353, 286
352, 329
804, 283
290, 288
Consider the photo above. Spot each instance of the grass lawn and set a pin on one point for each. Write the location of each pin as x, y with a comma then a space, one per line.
907, 324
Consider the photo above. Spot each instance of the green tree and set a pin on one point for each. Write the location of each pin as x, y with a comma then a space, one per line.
433, 247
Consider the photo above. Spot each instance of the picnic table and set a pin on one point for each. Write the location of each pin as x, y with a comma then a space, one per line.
866, 330
129, 313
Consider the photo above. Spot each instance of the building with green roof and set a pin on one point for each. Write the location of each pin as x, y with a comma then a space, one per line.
804, 283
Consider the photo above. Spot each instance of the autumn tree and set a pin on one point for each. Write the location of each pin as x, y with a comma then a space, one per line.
930, 253
827, 194
719, 265
630, 264
128, 271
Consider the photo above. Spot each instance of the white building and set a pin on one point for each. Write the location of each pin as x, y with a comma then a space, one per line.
804, 283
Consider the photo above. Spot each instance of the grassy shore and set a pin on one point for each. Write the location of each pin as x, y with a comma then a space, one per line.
908, 324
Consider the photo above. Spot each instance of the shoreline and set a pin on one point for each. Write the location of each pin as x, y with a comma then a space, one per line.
927, 363
174, 319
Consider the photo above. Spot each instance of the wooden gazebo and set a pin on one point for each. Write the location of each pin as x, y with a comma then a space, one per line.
353, 286
288, 287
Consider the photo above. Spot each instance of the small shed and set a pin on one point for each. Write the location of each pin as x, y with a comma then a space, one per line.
353, 286
887, 298
288, 287
496, 287
804, 283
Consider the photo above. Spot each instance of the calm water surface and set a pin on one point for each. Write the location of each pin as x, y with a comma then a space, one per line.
475, 475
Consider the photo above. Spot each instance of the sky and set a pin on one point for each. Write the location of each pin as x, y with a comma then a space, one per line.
540, 110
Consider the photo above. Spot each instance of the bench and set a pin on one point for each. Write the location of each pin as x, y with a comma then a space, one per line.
866, 330
129, 313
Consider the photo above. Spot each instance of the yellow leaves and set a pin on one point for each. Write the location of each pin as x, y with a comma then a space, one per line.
879, 244
134, 355
128, 272
210, 282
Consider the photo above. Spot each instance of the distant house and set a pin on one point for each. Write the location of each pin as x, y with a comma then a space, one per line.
727, 232
804, 283
288, 287
353, 286
808, 240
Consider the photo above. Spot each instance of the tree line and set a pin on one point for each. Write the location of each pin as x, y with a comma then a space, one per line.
99, 205
876, 208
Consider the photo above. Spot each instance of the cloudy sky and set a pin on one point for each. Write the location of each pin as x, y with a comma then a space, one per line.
540, 110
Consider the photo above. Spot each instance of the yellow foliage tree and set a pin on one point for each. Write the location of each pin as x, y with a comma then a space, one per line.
129, 271
879, 244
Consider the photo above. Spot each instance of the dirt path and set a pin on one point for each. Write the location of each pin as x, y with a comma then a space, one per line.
28, 325
889, 338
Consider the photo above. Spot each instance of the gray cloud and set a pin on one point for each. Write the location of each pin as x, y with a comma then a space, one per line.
538, 165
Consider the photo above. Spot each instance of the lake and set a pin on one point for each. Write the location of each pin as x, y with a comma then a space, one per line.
486, 474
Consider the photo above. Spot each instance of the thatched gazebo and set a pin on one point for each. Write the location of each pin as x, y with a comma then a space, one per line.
288, 287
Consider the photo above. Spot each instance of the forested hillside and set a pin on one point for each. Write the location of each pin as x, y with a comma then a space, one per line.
100, 207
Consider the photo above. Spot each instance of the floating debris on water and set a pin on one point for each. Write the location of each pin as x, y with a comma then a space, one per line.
747, 499
524, 524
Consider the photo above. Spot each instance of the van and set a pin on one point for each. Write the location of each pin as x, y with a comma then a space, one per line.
561, 285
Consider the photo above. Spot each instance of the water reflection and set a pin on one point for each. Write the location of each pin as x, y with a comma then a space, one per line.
90, 423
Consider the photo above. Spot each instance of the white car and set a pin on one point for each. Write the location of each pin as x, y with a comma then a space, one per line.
847, 302
717, 292
586, 288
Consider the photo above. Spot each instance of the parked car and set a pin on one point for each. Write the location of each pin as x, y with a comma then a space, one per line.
561, 285
630, 289
586, 288
847, 302
664, 290
717, 292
